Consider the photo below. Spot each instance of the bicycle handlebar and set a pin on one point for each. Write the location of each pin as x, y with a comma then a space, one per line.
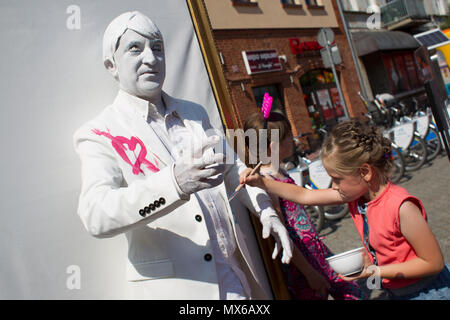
379, 107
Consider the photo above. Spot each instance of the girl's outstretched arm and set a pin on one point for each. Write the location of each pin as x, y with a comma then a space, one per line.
292, 192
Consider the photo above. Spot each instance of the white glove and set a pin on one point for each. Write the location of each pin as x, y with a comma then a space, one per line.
197, 171
272, 225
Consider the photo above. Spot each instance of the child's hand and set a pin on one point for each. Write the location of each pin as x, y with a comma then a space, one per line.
367, 271
254, 180
244, 175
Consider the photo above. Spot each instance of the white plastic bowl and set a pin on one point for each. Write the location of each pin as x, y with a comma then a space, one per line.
347, 263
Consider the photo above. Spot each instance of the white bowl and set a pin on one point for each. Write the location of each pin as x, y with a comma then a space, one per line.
347, 263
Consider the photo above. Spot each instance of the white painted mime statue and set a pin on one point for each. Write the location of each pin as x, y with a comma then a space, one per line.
139, 180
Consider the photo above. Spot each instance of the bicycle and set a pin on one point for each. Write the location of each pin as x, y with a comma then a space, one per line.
404, 133
398, 161
380, 118
425, 126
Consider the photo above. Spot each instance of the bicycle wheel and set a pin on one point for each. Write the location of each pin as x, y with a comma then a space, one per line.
416, 154
433, 144
399, 166
335, 212
316, 216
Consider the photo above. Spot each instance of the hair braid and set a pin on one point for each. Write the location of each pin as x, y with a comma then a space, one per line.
353, 143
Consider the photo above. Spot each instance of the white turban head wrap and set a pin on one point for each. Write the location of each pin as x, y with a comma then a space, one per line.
135, 21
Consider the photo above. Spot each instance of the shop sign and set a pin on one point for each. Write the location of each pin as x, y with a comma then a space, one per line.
298, 47
261, 61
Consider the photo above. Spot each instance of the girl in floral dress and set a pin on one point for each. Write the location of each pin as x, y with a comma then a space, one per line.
308, 247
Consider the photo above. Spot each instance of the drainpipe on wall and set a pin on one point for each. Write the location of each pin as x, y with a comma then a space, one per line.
352, 49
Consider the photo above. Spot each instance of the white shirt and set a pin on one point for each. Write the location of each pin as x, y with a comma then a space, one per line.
177, 138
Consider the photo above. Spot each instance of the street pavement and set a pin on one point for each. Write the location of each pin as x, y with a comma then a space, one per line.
431, 184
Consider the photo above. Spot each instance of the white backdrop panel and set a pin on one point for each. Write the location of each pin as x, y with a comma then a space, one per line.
52, 81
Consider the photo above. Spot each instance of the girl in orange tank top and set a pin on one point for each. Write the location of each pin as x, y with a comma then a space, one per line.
400, 247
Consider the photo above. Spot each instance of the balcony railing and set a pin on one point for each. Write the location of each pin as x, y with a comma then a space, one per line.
403, 13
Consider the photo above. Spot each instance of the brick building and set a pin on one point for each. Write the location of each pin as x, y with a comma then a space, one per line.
271, 46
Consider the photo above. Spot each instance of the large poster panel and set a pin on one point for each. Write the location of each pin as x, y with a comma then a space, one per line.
53, 80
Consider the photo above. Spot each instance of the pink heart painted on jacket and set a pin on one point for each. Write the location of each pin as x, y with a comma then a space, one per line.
119, 143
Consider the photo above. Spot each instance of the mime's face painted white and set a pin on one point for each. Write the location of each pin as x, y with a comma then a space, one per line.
139, 65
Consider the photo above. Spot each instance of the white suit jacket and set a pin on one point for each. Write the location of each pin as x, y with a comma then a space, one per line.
127, 187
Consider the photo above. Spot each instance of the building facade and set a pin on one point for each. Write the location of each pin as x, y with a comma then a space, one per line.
383, 32
271, 46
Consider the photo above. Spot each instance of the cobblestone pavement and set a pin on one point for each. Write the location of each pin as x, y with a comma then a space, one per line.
431, 184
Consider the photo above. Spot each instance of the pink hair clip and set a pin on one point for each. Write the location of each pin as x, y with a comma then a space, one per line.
266, 105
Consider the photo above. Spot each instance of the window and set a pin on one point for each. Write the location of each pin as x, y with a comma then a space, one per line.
350, 5
294, 2
411, 69
403, 74
364, 5
322, 98
438, 8
360, 5
401, 71
252, 3
314, 3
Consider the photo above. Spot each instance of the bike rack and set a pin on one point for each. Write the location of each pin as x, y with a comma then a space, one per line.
402, 135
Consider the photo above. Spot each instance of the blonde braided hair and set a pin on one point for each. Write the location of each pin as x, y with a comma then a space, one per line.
353, 143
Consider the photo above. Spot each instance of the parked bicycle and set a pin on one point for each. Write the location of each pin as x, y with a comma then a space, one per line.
421, 114
406, 136
399, 161
379, 118
403, 132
